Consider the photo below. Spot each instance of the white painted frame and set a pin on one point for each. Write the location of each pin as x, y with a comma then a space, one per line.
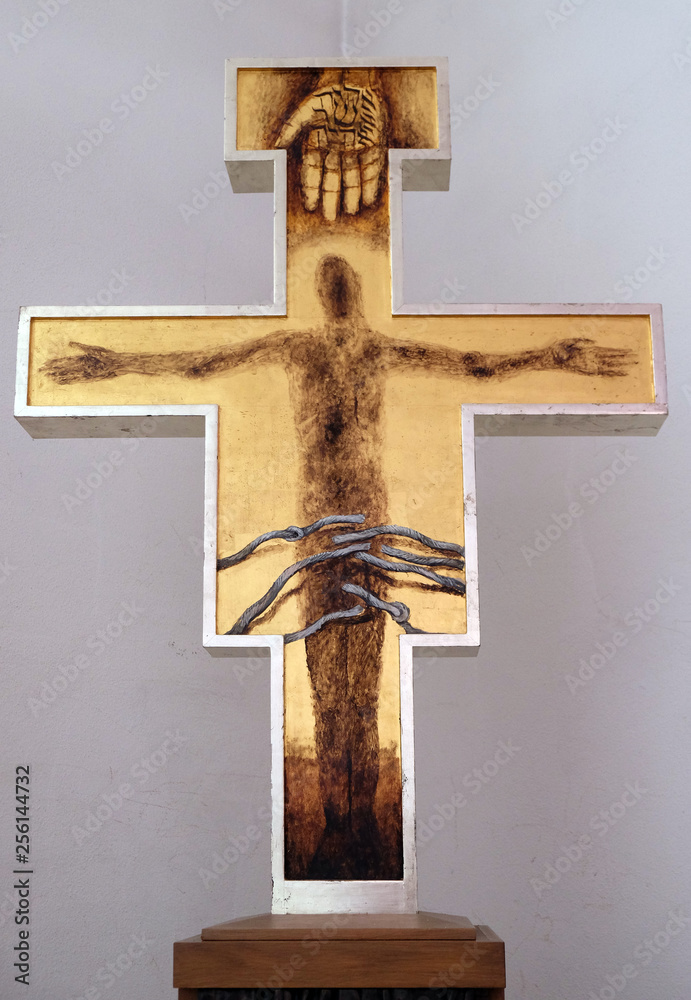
266, 170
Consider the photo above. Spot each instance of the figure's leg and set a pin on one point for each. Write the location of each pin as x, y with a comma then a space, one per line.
327, 662
345, 665
365, 644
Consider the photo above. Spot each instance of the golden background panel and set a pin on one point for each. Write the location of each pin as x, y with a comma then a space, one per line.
422, 465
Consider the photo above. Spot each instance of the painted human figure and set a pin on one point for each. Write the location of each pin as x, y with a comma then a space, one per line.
337, 379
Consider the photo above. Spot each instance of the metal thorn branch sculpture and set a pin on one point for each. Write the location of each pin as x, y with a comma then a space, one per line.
412, 563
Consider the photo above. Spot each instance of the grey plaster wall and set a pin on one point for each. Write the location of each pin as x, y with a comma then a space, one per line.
554, 74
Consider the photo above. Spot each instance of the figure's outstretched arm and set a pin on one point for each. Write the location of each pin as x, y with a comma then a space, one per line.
95, 363
579, 355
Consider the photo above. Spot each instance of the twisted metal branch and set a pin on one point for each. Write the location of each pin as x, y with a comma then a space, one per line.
321, 622
397, 529
290, 534
413, 557
399, 611
445, 581
411, 562
263, 603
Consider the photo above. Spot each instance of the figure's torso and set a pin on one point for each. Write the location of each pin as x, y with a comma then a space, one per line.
336, 382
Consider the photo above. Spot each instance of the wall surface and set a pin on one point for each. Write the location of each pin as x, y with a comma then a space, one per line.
552, 848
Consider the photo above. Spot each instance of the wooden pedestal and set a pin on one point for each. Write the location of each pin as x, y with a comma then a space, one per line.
424, 950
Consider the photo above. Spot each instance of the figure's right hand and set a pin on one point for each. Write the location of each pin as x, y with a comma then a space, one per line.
341, 128
93, 364
583, 356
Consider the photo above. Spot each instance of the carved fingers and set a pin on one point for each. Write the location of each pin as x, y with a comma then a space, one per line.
341, 128
331, 185
371, 165
311, 177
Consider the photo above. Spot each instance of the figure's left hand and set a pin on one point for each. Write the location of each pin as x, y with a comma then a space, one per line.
585, 357
92, 364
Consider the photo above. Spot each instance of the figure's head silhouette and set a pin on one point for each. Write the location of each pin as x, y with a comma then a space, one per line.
339, 289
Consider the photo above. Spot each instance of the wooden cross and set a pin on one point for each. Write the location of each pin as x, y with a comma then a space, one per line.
340, 499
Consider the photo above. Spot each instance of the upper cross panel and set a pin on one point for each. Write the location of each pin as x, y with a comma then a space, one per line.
337, 143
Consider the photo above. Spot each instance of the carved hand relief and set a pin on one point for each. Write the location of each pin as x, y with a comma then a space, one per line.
341, 129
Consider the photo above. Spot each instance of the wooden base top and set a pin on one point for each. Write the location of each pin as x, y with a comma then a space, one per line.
422, 950
344, 927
